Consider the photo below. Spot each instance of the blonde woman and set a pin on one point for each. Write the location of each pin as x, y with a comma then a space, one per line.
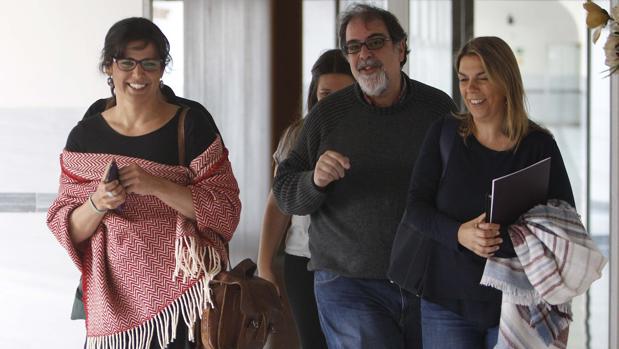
493, 137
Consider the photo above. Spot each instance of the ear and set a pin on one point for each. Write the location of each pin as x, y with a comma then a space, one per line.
108, 70
402, 50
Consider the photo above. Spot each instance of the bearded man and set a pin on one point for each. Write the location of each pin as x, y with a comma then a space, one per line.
350, 171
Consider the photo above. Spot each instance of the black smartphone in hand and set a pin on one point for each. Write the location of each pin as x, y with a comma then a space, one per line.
112, 174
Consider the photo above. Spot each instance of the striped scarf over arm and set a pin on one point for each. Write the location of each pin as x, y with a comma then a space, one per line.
556, 261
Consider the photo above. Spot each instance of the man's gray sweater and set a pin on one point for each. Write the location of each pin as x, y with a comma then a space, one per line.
354, 219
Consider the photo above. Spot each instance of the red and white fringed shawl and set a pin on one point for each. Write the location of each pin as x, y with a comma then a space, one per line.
147, 265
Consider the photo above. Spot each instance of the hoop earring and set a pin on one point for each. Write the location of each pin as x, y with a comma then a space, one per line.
110, 83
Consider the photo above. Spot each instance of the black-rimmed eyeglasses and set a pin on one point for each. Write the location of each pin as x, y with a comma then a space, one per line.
373, 43
128, 64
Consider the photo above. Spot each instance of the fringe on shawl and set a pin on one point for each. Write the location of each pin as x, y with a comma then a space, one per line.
189, 256
514, 295
519, 296
190, 262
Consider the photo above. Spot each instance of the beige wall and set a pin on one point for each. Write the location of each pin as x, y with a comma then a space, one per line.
49, 59
50, 50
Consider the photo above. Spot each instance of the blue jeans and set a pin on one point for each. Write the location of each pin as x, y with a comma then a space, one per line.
366, 313
442, 328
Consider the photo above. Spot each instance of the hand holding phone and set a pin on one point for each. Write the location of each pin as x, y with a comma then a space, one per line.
112, 173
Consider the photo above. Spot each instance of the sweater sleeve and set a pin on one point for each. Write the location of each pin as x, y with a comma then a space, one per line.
421, 211
294, 187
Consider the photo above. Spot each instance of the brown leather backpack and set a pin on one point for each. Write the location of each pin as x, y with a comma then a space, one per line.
246, 310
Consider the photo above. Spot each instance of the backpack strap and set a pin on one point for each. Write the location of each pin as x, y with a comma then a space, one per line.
181, 135
448, 135
181, 155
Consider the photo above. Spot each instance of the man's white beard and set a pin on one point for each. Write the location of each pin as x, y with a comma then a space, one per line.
374, 84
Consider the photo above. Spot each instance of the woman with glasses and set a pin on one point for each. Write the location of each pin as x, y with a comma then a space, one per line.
447, 198
330, 73
147, 202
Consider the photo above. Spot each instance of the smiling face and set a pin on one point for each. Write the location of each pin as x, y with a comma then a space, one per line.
136, 83
483, 98
329, 83
377, 71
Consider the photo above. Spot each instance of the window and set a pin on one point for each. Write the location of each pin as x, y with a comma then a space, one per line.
429, 39
319, 35
168, 16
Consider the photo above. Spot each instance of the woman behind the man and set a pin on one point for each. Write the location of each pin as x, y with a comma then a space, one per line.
446, 206
330, 73
148, 242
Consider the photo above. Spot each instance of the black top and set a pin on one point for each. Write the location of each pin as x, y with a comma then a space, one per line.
437, 207
100, 105
200, 129
94, 135
355, 218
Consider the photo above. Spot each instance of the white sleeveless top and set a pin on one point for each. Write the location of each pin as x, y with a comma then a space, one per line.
297, 237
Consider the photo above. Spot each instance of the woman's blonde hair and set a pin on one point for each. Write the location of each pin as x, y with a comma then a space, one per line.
501, 67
